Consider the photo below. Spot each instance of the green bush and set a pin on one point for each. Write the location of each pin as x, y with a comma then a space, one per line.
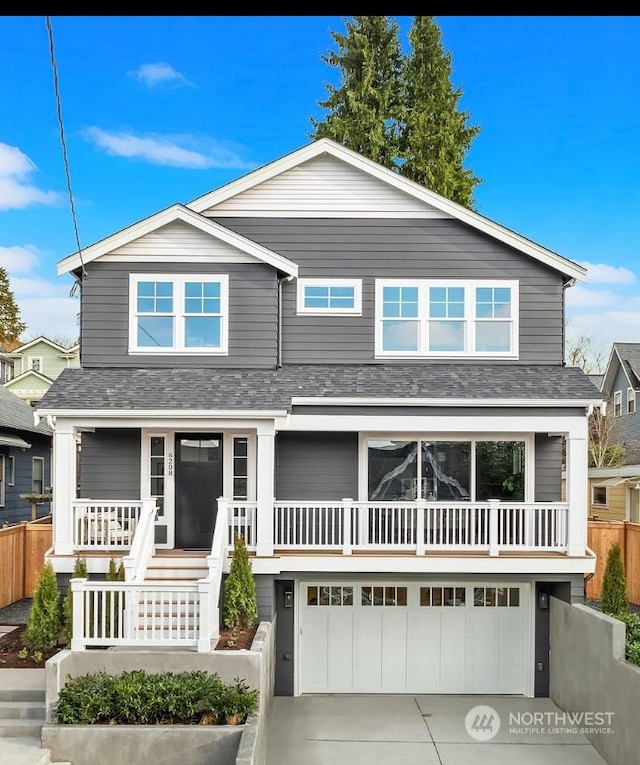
79, 572
240, 601
614, 584
632, 623
138, 698
45, 618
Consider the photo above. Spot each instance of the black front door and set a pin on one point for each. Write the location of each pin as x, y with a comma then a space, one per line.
198, 486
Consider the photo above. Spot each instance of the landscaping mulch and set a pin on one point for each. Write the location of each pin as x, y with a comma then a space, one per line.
238, 640
11, 646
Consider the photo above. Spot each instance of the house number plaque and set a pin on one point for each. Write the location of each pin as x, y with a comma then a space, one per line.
170, 463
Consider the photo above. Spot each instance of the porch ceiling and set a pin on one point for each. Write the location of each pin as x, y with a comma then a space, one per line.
271, 389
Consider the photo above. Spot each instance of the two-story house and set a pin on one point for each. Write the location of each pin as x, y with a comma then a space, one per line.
615, 491
36, 364
364, 379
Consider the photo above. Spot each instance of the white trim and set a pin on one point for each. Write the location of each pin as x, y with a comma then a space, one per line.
595, 504
11, 472
24, 375
448, 402
19, 351
168, 519
631, 400
357, 297
327, 146
617, 403
178, 314
469, 321
34, 460
27, 364
163, 414
170, 214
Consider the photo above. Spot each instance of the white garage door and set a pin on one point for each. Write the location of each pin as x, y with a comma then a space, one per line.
412, 638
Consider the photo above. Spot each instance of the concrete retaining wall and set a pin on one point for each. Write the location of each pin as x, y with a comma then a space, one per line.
248, 742
589, 674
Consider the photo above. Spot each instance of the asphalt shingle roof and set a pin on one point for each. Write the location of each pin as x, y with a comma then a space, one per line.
630, 355
267, 389
15, 414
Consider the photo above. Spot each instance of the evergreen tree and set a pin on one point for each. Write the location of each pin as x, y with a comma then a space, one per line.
79, 572
10, 325
240, 600
435, 135
363, 110
400, 110
43, 627
615, 600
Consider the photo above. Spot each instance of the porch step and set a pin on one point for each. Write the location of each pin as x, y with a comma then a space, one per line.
22, 712
177, 568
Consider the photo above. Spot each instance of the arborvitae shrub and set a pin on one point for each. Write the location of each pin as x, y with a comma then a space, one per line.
45, 619
615, 600
240, 601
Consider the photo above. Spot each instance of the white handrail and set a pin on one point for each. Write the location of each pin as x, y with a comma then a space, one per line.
143, 545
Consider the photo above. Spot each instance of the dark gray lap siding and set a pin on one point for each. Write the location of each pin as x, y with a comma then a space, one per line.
110, 464
400, 248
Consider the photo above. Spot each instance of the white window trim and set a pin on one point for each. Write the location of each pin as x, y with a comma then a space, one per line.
30, 360
617, 403
168, 519
178, 281
357, 297
529, 456
33, 472
631, 401
606, 496
11, 472
423, 318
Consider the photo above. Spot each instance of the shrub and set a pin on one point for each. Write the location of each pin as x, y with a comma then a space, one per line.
614, 584
138, 698
45, 621
240, 601
632, 623
79, 572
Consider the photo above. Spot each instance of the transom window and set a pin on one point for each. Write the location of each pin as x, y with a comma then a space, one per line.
330, 296
384, 596
452, 318
329, 595
178, 314
436, 470
442, 596
496, 597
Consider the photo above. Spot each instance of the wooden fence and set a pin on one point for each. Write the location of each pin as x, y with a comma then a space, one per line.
602, 535
22, 550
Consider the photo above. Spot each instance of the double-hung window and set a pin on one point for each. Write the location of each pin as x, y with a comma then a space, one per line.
446, 318
631, 400
337, 297
617, 403
179, 314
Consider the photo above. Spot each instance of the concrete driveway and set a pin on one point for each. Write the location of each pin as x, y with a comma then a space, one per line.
423, 730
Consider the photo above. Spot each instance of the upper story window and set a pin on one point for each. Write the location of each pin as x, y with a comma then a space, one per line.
446, 318
34, 363
617, 403
330, 296
631, 401
178, 314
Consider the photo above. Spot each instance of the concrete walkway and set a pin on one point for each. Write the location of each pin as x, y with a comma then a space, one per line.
422, 730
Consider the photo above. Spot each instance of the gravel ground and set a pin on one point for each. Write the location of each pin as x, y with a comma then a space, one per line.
16, 613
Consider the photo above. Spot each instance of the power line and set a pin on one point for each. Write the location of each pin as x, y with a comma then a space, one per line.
65, 157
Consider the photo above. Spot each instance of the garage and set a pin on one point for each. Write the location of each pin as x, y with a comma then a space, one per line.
413, 637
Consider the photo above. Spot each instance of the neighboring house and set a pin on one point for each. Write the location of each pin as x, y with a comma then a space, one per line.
620, 386
36, 365
614, 493
6, 367
364, 379
25, 461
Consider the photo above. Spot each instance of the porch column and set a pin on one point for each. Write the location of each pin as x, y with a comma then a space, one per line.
265, 490
577, 462
64, 486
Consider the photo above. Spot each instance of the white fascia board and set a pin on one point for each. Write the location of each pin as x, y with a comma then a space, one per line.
41, 339
574, 427
161, 414
466, 402
326, 146
475, 565
186, 215
615, 354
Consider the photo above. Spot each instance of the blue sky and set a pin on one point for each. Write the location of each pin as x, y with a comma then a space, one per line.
159, 110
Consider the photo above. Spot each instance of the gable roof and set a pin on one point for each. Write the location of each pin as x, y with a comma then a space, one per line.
42, 339
16, 415
326, 146
29, 373
164, 217
626, 356
126, 390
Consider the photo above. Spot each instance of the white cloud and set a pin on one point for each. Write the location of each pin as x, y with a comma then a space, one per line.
18, 260
605, 327
603, 273
16, 192
173, 151
159, 74
581, 297
53, 317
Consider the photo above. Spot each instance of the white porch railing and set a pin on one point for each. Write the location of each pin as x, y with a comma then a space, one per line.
242, 520
143, 545
105, 524
490, 526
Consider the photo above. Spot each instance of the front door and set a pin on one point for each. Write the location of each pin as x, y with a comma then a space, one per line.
198, 486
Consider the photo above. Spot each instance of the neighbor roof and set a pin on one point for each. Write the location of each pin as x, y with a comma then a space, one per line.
182, 389
15, 414
627, 355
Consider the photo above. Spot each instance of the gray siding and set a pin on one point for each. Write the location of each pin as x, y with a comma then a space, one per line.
548, 478
285, 640
626, 428
397, 248
110, 464
253, 305
15, 508
316, 466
